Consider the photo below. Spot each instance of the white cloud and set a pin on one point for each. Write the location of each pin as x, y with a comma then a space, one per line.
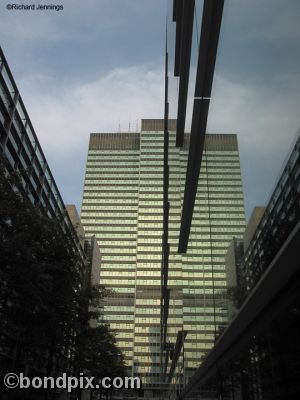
64, 116
266, 121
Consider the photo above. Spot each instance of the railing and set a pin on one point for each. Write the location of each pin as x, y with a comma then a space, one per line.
279, 219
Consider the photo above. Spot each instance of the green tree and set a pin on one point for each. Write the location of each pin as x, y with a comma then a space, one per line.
46, 301
102, 357
40, 279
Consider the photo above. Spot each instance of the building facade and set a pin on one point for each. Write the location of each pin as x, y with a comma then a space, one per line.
122, 206
21, 155
20, 147
258, 354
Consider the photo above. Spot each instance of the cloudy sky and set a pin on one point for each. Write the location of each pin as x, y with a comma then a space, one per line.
97, 65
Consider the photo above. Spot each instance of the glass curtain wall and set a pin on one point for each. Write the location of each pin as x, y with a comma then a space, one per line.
218, 217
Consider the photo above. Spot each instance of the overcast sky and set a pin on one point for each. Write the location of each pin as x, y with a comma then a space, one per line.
98, 66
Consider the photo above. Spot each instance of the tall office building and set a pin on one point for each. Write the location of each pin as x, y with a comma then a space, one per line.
123, 206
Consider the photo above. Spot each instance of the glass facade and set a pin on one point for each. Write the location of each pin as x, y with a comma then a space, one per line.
279, 219
258, 354
123, 206
21, 149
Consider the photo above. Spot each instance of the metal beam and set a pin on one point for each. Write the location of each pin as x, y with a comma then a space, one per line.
210, 30
199, 122
181, 335
185, 58
179, 7
174, 10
